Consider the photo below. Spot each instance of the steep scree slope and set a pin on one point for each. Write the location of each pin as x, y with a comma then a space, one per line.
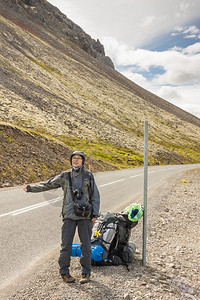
51, 86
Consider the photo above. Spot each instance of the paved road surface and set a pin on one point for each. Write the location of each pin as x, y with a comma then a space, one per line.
30, 223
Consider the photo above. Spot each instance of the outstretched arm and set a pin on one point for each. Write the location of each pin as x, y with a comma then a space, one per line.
52, 183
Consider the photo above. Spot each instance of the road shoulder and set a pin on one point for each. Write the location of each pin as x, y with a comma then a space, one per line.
173, 265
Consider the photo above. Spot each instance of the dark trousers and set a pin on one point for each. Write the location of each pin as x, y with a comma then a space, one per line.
68, 232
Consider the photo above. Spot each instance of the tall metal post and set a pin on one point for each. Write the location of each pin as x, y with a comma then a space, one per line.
145, 193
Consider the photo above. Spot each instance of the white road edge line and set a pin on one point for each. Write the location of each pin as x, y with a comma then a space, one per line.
39, 205
112, 182
22, 210
135, 175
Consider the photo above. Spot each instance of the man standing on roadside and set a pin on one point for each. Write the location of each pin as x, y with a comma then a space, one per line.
80, 209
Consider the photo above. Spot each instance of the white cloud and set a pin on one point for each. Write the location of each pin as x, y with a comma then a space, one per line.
186, 97
136, 77
179, 28
179, 81
188, 32
175, 48
191, 29
174, 34
148, 20
131, 21
191, 36
168, 92
179, 67
125, 27
184, 6
192, 49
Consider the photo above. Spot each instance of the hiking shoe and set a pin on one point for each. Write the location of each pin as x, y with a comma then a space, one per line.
85, 278
68, 278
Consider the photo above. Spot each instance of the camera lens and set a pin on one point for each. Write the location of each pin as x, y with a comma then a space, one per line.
78, 194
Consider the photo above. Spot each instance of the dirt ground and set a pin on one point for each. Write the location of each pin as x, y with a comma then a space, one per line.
173, 256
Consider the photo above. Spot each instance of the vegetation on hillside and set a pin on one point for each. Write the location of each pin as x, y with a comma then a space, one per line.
56, 98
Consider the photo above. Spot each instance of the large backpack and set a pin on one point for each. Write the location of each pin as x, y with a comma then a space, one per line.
112, 232
110, 237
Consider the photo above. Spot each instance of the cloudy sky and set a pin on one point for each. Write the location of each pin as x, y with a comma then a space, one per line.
155, 43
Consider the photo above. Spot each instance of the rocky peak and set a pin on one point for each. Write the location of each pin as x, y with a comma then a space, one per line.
53, 19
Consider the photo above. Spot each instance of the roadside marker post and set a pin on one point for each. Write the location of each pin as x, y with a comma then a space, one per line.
145, 194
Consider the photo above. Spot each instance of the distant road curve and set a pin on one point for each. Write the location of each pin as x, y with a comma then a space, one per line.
30, 223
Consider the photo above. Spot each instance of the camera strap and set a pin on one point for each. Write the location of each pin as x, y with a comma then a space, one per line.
71, 183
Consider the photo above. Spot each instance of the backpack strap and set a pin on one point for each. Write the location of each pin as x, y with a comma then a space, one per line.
89, 175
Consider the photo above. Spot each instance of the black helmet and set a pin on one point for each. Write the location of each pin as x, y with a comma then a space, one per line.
78, 153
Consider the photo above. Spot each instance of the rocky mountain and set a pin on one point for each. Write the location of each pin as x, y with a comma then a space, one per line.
41, 12
59, 92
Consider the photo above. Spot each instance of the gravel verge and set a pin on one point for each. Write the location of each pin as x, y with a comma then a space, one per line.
173, 256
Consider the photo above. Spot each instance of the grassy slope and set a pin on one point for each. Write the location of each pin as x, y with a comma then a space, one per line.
56, 91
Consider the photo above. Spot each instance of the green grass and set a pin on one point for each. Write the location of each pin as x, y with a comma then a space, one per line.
117, 156
121, 157
191, 153
7, 138
44, 66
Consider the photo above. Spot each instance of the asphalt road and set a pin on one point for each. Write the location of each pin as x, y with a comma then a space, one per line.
30, 223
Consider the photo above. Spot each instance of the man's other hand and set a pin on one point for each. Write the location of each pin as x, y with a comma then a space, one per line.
25, 188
